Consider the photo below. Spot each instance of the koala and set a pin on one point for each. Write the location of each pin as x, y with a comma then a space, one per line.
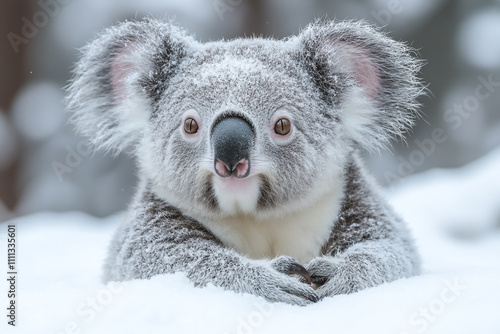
248, 153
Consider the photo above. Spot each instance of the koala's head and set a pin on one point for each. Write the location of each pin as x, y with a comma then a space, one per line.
250, 126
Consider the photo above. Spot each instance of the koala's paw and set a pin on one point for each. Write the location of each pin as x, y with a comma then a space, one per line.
329, 278
287, 265
274, 283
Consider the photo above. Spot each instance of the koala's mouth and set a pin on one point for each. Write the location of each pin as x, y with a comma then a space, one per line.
236, 184
250, 195
235, 195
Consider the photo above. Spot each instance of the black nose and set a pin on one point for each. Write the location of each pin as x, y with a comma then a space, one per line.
232, 138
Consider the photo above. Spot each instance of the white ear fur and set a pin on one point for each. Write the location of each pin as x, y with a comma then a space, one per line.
357, 115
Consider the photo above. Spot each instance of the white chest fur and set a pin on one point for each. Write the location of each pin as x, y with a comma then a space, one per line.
299, 234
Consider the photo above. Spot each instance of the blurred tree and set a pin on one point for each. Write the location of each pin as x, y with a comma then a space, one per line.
13, 74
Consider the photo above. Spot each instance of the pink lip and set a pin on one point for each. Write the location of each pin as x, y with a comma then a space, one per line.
234, 184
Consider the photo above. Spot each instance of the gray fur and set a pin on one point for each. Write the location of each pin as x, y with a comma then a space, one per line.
161, 73
163, 240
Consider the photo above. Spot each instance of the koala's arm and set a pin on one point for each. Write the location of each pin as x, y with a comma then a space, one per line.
368, 245
156, 238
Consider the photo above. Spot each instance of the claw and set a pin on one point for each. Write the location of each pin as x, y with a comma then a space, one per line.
297, 269
318, 280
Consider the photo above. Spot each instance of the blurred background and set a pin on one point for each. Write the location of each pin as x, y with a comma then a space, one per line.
44, 165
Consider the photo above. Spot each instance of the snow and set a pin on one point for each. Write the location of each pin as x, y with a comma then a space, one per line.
454, 214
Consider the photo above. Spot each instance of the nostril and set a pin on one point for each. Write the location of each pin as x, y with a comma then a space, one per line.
241, 169
221, 169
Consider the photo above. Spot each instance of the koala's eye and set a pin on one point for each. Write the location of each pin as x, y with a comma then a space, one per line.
190, 126
282, 126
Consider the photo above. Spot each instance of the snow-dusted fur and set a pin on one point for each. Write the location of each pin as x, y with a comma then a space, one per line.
342, 85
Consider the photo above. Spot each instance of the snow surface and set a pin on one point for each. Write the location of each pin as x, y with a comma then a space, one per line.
455, 216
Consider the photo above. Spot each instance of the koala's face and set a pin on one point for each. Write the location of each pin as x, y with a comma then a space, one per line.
252, 126
242, 129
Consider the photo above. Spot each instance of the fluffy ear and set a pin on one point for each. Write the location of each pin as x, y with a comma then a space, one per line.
370, 78
120, 77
